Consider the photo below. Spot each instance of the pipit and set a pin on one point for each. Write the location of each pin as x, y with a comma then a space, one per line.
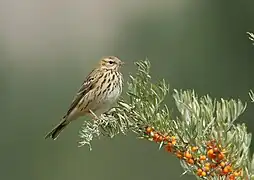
97, 94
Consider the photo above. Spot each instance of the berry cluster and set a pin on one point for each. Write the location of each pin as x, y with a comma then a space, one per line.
207, 160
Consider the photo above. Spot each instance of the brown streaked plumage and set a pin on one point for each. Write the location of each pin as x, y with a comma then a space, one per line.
97, 94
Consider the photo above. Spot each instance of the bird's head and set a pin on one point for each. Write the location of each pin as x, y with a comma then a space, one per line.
111, 63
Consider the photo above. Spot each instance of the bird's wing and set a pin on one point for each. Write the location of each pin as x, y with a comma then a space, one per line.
87, 85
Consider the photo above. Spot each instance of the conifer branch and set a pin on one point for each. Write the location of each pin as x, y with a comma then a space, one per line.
251, 94
205, 137
250, 36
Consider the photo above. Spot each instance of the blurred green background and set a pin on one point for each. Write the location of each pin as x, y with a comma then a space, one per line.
48, 47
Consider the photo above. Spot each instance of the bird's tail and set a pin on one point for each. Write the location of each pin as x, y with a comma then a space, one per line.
54, 133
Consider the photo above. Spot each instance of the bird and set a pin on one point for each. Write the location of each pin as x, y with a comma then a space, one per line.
97, 94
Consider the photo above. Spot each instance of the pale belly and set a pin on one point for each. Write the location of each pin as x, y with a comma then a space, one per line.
108, 102
97, 106
101, 105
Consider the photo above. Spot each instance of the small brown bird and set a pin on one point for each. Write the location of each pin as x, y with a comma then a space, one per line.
97, 94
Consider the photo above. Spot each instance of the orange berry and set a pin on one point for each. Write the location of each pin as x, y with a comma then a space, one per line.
173, 138
210, 154
203, 173
149, 129
231, 177
199, 172
221, 156
230, 167
174, 142
210, 151
215, 150
227, 169
194, 148
207, 164
190, 161
168, 147
222, 164
169, 144
237, 173
160, 139
187, 155
155, 137
202, 157
206, 168
166, 138
179, 155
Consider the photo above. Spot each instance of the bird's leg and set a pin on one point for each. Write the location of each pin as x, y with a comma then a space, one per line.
94, 117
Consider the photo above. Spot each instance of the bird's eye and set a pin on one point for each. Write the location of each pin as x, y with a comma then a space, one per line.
111, 62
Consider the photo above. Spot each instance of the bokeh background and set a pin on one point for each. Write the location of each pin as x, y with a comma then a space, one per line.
48, 47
